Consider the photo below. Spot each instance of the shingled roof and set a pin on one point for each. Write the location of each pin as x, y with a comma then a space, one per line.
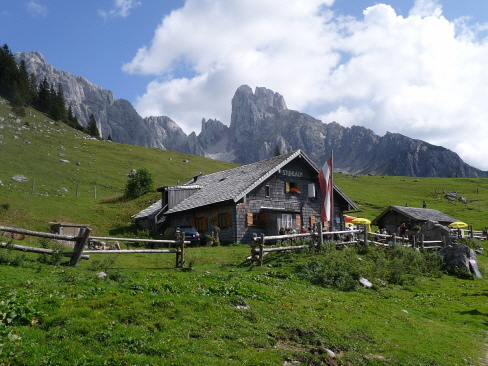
417, 214
234, 184
149, 211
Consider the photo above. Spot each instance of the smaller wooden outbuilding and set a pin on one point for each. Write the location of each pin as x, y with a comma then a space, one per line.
64, 228
394, 216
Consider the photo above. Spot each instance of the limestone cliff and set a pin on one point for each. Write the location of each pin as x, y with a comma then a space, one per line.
260, 123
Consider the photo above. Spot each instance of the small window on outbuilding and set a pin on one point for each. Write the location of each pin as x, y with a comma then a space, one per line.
267, 190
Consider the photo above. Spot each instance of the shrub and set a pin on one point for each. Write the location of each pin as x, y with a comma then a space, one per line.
54, 258
470, 242
335, 269
139, 183
394, 265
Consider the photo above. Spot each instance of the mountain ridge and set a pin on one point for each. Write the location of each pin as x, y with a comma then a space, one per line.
260, 124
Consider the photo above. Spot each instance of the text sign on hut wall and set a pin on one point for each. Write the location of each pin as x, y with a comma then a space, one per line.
292, 173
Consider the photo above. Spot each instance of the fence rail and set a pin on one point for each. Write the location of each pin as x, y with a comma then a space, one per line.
259, 248
81, 242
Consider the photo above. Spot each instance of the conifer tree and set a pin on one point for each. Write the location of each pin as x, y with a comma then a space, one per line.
43, 96
92, 128
8, 72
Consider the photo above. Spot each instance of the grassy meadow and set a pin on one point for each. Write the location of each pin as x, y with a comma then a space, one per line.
373, 194
88, 188
302, 308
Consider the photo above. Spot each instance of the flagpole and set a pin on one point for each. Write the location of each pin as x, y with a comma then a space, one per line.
332, 190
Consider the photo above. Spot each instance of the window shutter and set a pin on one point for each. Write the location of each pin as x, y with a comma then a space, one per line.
193, 223
312, 221
249, 218
228, 219
287, 187
204, 224
265, 218
298, 224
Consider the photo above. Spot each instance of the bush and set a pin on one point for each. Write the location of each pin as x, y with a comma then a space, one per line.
394, 265
54, 258
471, 243
139, 183
335, 269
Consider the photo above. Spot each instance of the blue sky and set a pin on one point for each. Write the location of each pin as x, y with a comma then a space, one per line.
415, 67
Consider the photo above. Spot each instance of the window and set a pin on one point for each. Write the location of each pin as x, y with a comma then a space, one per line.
200, 223
287, 221
267, 190
311, 190
293, 188
257, 219
225, 220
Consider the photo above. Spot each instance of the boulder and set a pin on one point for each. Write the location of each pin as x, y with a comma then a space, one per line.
20, 178
432, 230
460, 258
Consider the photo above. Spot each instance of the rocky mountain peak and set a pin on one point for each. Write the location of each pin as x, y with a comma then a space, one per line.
260, 123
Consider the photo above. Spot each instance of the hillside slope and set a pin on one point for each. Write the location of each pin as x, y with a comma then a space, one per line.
71, 177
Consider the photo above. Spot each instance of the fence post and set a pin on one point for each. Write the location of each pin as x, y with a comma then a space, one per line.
81, 242
180, 251
261, 250
321, 235
471, 232
422, 241
253, 247
365, 233
394, 238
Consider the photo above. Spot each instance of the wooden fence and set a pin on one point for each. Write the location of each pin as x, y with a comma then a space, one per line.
415, 241
258, 249
340, 238
82, 240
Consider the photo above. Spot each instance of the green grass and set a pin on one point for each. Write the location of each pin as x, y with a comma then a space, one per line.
219, 309
88, 193
227, 312
374, 194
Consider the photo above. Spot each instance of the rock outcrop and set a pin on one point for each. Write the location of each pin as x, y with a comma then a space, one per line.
260, 124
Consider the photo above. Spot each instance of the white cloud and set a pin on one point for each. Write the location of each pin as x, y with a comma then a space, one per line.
120, 9
36, 9
420, 75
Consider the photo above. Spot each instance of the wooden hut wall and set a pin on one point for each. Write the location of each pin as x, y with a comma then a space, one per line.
175, 196
392, 220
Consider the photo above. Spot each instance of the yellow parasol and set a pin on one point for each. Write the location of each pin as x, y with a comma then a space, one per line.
362, 221
458, 224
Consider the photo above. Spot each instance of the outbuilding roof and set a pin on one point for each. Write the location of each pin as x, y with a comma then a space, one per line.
416, 214
149, 211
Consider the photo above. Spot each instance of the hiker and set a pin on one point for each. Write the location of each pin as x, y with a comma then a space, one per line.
402, 230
